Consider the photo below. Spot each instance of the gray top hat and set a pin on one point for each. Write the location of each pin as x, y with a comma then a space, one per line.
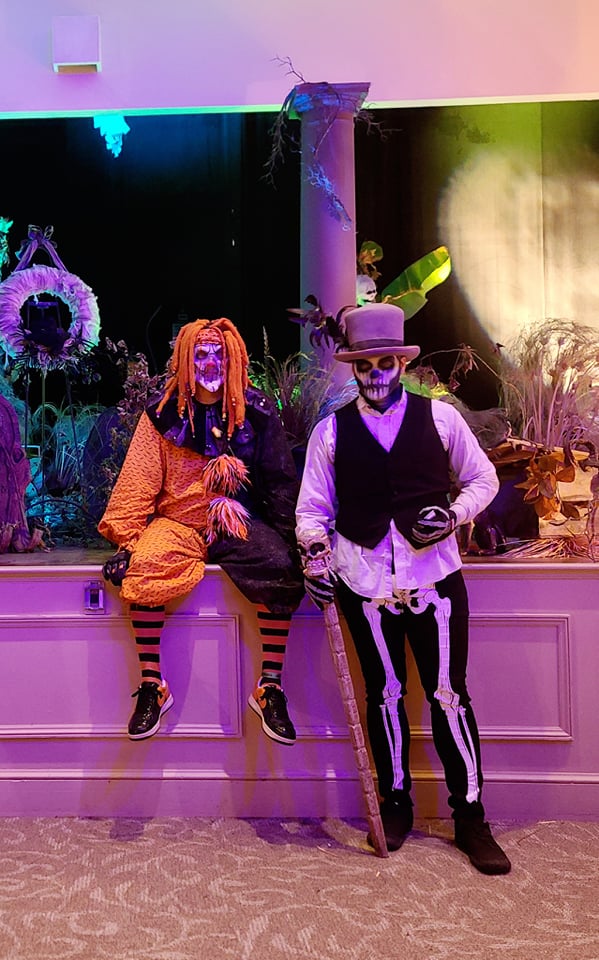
373, 330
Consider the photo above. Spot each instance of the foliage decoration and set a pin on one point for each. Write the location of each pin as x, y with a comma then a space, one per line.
5, 225
543, 474
410, 288
326, 329
304, 392
407, 291
550, 395
370, 253
112, 431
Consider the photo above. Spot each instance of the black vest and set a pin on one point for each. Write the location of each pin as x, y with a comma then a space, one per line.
375, 487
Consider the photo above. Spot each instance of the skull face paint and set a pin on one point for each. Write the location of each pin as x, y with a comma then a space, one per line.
378, 377
209, 365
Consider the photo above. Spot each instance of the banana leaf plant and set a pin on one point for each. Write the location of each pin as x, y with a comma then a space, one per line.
407, 291
410, 288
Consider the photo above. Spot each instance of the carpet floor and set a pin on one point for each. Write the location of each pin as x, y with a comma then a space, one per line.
181, 889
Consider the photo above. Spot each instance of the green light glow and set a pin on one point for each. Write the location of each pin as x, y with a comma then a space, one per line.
275, 107
134, 112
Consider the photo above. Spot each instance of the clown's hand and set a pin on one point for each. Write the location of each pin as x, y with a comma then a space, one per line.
433, 524
116, 568
316, 559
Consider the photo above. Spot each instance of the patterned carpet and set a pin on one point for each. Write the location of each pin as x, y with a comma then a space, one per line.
177, 889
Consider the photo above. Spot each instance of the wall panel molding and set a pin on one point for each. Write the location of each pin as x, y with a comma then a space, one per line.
545, 636
64, 749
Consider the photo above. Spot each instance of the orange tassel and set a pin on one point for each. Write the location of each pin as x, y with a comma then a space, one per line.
225, 475
226, 518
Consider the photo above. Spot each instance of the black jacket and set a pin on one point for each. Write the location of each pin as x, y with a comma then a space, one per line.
261, 443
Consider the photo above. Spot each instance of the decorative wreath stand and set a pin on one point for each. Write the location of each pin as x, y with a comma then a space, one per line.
50, 350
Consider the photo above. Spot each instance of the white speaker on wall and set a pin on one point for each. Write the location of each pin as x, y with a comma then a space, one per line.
76, 44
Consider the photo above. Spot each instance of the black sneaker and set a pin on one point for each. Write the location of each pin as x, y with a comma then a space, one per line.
153, 699
270, 703
398, 820
474, 838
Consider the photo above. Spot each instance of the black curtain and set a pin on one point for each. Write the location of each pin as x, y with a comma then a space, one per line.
399, 184
181, 224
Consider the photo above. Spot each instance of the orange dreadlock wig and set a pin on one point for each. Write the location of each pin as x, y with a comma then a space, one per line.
181, 379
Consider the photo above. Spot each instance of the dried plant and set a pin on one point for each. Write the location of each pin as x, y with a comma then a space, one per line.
550, 383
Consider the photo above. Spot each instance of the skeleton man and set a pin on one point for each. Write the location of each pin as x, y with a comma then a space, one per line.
376, 529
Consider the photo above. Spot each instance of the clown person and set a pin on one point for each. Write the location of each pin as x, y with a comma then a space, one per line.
208, 477
376, 528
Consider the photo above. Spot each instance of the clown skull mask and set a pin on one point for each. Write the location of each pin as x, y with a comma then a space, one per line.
378, 377
209, 365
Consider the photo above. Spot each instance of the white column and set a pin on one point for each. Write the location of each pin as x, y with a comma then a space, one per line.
328, 203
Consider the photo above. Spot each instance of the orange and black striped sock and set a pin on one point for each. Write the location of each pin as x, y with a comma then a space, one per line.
147, 625
274, 630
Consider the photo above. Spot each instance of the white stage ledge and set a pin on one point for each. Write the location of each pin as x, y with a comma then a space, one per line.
71, 671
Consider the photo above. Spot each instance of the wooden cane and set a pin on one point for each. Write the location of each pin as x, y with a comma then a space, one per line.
337, 645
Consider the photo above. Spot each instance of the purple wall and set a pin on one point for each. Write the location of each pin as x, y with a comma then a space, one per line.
189, 55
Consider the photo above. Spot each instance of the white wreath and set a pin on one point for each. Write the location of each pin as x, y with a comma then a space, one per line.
84, 331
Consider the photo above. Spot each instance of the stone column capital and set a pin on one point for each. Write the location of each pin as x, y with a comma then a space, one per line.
346, 98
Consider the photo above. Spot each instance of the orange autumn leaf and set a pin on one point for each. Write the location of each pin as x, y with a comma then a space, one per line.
545, 507
548, 485
532, 493
566, 475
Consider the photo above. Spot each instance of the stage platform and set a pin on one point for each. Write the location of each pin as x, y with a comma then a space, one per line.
70, 666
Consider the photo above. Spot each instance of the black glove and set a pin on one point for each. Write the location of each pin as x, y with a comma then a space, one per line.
116, 568
321, 589
433, 524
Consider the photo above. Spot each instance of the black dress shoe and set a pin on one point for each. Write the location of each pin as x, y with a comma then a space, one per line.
398, 820
473, 837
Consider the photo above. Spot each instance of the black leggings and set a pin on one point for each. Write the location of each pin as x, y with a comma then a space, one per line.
435, 621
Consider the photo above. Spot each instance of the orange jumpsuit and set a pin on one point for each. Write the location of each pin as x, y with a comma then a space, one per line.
164, 482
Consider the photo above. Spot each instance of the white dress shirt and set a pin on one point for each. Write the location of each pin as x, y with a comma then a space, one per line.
393, 564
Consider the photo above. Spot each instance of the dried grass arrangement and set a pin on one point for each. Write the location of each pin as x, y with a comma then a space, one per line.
550, 383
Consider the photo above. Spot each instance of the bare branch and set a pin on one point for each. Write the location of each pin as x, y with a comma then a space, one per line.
291, 72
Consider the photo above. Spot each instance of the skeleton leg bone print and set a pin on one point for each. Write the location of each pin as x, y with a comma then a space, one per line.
417, 602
